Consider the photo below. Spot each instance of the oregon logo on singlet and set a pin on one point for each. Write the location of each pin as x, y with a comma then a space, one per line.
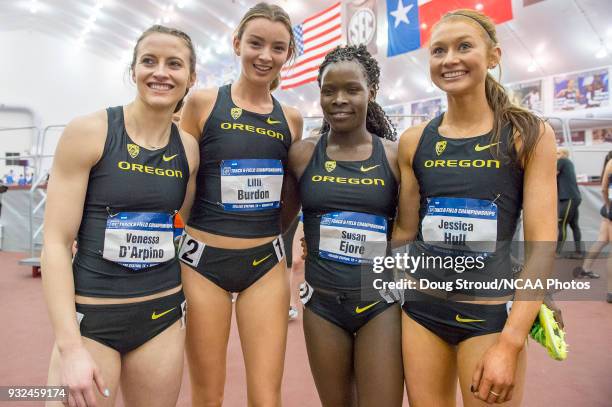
236, 112
330, 166
133, 150
440, 147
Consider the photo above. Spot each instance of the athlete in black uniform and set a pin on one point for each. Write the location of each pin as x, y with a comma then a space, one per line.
465, 177
119, 177
348, 182
606, 185
233, 241
569, 201
602, 239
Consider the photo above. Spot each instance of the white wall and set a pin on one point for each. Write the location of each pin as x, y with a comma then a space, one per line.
56, 79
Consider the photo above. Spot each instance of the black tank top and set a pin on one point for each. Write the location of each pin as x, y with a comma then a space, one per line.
132, 196
345, 203
471, 190
243, 156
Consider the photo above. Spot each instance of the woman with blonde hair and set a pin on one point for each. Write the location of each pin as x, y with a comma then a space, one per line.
465, 176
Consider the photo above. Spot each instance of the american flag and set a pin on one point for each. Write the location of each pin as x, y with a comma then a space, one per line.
314, 38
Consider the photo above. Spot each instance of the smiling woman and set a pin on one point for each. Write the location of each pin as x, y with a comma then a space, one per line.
348, 175
466, 176
148, 62
233, 241
119, 177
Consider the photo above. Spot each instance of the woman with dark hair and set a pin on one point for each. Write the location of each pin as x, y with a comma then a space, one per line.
233, 242
119, 178
348, 180
466, 175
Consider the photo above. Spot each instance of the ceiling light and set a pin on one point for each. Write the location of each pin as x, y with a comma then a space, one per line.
222, 46
180, 4
532, 67
34, 6
602, 52
292, 6
166, 19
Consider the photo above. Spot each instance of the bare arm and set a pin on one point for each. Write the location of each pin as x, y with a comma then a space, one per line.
193, 158
289, 196
196, 111
79, 148
497, 369
407, 223
605, 183
540, 223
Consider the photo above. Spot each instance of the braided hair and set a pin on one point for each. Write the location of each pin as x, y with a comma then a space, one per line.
377, 121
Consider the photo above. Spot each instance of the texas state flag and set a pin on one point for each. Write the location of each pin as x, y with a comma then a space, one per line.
409, 22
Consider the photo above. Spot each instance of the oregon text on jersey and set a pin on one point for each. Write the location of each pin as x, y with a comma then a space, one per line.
345, 180
462, 163
147, 169
252, 129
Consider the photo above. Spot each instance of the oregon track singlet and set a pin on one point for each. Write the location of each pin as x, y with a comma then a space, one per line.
471, 192
243, 158
126, 239
346, 204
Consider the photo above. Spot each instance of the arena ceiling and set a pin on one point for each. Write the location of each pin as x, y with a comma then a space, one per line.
544, 38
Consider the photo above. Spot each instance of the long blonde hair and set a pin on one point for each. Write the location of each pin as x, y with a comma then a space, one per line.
523, 122
273, 13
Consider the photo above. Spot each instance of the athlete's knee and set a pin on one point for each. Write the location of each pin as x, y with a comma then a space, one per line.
265, 399
206, 397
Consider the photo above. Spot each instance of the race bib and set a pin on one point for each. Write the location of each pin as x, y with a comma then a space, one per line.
139, 240
343, 237
251, 185
459, 221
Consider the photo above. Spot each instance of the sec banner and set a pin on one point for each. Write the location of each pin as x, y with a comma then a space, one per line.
361, 24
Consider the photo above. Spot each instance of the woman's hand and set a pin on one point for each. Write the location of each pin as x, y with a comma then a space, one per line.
493, 379
79, 373
304, 248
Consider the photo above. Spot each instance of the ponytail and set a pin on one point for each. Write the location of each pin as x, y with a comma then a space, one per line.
524, 123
